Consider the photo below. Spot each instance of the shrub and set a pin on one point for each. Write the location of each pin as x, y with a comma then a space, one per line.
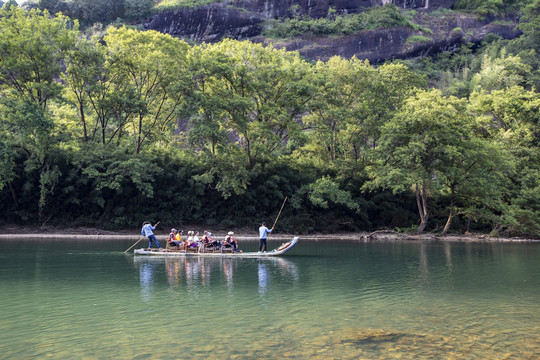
378, 17
413, 39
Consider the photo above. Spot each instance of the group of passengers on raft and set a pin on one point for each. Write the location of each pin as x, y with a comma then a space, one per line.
206, 241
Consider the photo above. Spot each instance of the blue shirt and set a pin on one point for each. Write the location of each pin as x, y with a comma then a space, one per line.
147, 230
263, 232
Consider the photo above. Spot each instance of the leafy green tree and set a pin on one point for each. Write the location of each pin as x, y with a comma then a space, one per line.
503, 71
338, 109
488, 7
32, 50
137, 9
430, 147
207, 132
132, 89
86, 11
83, 75
510, 118
531, 15
353, 101
33, 46
393, 85
249, 99
8, 4
153, 66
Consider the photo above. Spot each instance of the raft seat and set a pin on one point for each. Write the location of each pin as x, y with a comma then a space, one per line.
172, 246
204, 249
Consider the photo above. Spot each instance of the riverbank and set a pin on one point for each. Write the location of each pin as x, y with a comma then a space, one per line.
90, 233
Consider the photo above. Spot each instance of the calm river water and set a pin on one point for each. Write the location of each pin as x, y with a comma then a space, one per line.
323, 300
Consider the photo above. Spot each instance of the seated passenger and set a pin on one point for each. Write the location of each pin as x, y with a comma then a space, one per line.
208, 241
172, 238
230, 241
178, 238
195, 242
189, 240
214, 242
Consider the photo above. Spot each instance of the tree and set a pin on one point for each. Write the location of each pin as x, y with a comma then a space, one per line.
510, 118
431, 147
32, 50
353, 100
339, 108
501, 72
83, 75
135, 85
262, 92
8, 4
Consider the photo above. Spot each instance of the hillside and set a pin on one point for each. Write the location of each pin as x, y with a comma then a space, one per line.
376, 30
418, 28
90, 115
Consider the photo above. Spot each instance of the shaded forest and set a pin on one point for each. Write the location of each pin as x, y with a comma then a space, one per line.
111, 126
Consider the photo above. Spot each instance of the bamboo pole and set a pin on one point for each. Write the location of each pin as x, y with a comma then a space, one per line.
282, 205
142, 237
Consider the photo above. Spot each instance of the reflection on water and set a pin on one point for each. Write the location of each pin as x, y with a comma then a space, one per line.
194, 272
263, 278
417, 300
147, 281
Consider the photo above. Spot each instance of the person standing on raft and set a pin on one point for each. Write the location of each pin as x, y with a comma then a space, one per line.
263, 234
147, 231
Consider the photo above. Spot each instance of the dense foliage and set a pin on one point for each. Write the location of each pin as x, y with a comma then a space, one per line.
378, 17
89, 12
129, 126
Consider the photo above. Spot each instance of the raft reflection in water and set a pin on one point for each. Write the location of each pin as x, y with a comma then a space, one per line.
206, 272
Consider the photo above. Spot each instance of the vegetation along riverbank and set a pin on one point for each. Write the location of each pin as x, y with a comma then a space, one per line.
86, 233
108, 125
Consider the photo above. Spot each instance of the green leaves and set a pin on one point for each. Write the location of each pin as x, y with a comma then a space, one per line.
113, 170
221, 133
431, 141
324, 190
254, 94
377, 17
32, 48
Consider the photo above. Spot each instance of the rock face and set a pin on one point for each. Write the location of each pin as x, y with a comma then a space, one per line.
208, 23
449, 33
318, 8
243, 19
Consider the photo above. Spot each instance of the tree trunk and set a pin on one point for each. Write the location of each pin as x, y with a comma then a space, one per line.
452, 211
248, 152
13, 193
421, 202
139, 135
449, 220
83, 120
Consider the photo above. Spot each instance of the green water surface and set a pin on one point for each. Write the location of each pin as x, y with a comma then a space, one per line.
323, 300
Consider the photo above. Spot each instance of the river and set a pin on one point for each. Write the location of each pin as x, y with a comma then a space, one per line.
324, 299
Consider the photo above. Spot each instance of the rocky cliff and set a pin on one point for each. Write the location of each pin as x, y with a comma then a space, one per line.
244, 19
449, 33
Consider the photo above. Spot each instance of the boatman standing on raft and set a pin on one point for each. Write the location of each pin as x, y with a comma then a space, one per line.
263, 234
147, 231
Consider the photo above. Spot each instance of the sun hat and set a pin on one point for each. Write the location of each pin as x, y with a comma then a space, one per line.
230, 233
